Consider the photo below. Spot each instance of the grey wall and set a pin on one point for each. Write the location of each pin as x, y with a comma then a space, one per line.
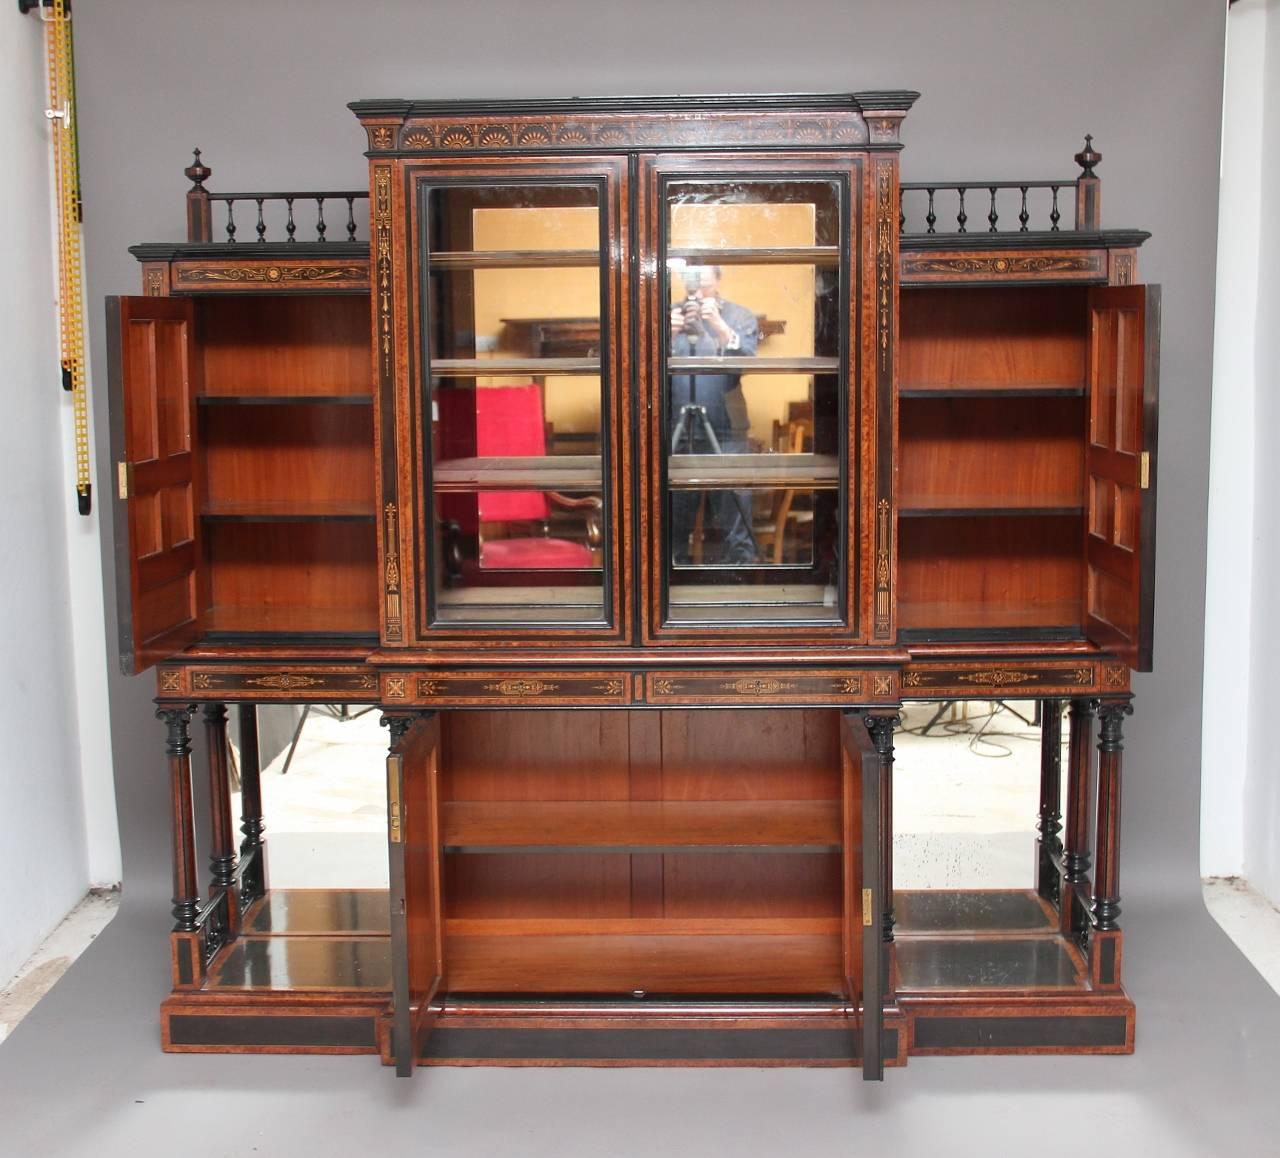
1008, 90
1262, 787
42, 829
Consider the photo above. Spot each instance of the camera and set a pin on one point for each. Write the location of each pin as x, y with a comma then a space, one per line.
692, 305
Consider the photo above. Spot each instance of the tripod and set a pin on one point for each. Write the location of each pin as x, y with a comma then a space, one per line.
693, 421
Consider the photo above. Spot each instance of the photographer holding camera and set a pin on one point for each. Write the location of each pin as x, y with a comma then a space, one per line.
705, 325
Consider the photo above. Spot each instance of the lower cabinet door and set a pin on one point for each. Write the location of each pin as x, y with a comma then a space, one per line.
417, 943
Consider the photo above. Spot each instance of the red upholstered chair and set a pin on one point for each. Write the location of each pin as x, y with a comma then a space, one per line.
511, 526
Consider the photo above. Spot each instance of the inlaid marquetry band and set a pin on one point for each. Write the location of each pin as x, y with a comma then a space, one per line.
495, 688
1124, 264
391, 574
382, 262
886, 199
1036, 679
1115, 677
384, 325
647, 131
1090, 265
249, 683
271, 274
780, 688
614, 689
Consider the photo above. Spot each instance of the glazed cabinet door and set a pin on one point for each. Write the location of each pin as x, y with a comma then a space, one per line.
522, 448
751, 327
153, 381
1120, 470
413, 835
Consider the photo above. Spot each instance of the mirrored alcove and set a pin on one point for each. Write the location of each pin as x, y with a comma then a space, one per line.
975, 908
323, 921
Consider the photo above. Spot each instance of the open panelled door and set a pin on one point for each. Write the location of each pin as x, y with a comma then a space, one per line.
417, 933
863, 956
1120, 470
154, 381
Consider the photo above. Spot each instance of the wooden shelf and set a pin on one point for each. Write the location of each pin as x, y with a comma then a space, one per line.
560, 472
656, 955
755, 594
982, 506
519, 605
824, 255
984, 616
511, 259
287, 511
261, 619
730, 364
982, 390
641, 926
486, 367
641, 826
750, 603
230, 399
753, 471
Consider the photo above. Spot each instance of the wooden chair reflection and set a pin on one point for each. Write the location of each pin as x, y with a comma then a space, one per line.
783, 515
512, 530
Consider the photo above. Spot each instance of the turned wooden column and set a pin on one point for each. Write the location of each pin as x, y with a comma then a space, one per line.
1049, 823
253, 877
186, 890
1106, 885
1075, 854
222, 846
1073, 898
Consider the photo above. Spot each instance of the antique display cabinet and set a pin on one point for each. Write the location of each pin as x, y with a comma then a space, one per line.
639, 458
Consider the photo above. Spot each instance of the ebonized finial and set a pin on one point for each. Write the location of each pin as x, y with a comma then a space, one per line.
1087, 158
196, 172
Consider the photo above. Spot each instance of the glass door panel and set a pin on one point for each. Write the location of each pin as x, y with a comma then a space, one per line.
754, 411
514, 292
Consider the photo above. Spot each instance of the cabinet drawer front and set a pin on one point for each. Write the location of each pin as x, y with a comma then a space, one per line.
777, 687
1014, 680
494, 689
1001, 266
241, 274
347, 684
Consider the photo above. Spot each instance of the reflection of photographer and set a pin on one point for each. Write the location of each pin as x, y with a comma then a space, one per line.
705, 325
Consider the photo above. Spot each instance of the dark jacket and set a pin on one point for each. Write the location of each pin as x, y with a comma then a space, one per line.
721, 394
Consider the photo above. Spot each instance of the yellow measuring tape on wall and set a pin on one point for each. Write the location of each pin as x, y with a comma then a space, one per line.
56, 15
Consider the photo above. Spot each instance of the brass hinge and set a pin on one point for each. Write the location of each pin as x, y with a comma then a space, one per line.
395, 766
124, 478
867, 918
1144, 470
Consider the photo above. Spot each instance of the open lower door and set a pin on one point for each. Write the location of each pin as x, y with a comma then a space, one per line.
863, 953
153, 381
1120, 470
417, 939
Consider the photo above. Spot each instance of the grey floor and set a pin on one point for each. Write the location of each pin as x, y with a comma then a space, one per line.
83, 1074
